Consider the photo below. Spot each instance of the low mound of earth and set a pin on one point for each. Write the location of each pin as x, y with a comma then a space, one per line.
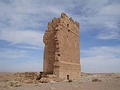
90, 81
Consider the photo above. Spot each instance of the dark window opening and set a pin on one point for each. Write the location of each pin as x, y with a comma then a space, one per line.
58, 54
67, 77
67, 25
56, 30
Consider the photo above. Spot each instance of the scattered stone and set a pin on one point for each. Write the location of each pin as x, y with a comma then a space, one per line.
27, 77
96, 80
52, 82
12, 84
46, 80
52, 88
76, 86
16, 83
69, 80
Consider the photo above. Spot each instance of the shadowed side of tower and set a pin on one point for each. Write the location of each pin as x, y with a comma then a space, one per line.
62, 48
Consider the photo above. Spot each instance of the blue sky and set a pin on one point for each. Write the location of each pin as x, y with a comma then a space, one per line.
23, 23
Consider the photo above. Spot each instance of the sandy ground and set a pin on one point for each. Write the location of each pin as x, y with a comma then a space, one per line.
104, 81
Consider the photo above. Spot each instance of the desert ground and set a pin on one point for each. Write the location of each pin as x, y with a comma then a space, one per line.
90, 81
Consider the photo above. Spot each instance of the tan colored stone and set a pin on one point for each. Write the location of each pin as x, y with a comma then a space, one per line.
13, 84
27, 77
62, 48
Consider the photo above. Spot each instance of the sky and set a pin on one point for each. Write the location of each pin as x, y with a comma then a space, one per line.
23, 23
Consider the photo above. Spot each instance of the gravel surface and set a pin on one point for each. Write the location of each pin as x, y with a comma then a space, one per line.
102, 81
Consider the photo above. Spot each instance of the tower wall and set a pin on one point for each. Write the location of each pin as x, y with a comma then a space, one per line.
62, 48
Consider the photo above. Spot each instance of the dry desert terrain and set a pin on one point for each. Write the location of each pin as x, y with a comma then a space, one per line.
90, 81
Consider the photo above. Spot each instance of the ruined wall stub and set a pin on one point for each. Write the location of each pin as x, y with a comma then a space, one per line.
62, 48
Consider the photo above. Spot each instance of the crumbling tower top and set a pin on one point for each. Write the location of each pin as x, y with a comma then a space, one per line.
64, 16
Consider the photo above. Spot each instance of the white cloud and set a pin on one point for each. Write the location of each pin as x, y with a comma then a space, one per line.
19, 60
109, 34
92, 14
12, 54
111, 22
20, 21
29, 47
103, 50
26, 14
21, 66
112, 9
101, 16
31, 65
101, 59
19, 36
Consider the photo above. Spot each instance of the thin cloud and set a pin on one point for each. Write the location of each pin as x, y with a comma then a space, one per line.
22, 66
101, 16
109, 34
29, 47
13, 54
23, 23
111, 10
19, 36
35, 14
101, 59
12, 60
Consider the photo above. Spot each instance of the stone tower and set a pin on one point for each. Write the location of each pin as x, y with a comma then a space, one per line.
62, 48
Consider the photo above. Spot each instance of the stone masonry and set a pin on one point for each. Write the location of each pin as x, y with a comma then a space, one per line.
62, 48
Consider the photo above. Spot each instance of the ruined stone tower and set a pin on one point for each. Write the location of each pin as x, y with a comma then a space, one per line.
62, 48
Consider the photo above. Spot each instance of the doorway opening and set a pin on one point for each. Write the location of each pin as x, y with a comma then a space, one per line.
67, 77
